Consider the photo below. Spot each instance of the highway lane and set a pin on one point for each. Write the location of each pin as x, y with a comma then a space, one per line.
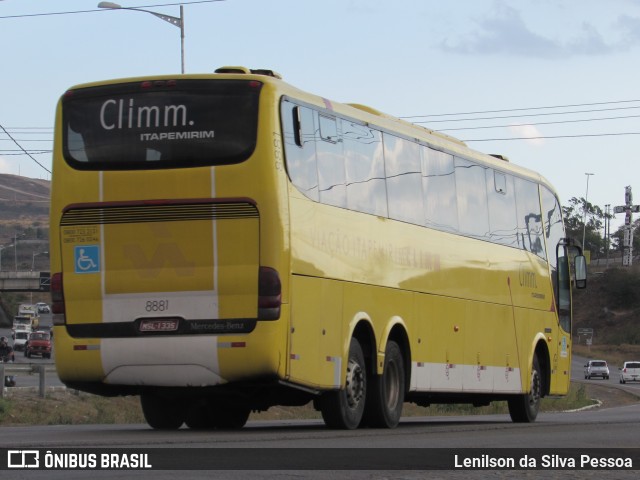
616, 427
33, 380
577, 375
612, 427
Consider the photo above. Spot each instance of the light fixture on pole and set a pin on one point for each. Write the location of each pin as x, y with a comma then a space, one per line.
584, 217
178, 22
33, 258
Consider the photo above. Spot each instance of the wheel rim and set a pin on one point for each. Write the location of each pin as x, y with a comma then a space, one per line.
392, 385
355, 384
536, 388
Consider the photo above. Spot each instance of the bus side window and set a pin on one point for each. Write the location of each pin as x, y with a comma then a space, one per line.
471, 192
530, 228
300, 148
328, 129
297, 126
404, 179
503, 218
330, 162
364, 161
439, 187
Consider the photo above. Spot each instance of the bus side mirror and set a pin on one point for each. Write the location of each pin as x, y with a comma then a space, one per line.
580, 263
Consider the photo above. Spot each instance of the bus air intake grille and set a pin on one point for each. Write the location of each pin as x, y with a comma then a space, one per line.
161, 211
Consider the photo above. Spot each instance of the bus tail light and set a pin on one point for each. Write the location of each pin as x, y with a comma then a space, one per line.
269, 294
57, 299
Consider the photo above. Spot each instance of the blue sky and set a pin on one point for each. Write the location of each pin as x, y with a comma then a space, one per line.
408, 58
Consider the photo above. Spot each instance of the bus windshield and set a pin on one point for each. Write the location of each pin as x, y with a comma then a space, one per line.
153, 124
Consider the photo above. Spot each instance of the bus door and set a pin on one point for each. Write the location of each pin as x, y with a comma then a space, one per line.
561, 356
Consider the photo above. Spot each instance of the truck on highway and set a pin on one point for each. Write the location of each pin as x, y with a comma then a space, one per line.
21, 324
31, 311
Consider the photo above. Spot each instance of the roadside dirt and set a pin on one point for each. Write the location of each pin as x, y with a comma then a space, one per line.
609, 394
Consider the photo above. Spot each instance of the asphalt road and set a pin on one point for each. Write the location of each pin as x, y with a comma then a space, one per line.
294, 442
283, 440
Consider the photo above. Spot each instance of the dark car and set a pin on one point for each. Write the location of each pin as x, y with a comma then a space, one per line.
39, 343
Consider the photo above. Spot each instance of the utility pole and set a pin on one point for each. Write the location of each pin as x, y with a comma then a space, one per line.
584, 217
628, 208
607, 231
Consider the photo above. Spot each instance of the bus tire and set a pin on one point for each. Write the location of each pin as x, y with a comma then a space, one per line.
230, 417
385, 395
197, 416
344, 408
162, 413
524, 408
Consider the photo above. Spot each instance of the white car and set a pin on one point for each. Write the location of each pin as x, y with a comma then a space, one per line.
20, 340
630, 372
43, 307
596, 368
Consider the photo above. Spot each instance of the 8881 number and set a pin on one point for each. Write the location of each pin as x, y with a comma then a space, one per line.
157, 305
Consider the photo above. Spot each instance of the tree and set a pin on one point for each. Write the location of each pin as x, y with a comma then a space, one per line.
619, 236
574, 215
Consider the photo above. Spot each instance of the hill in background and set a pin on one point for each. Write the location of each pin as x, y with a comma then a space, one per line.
24, 205
610, 305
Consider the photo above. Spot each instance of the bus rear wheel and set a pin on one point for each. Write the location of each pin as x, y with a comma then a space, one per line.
213, 414
524, 408
344, 408
162, 413
385, 397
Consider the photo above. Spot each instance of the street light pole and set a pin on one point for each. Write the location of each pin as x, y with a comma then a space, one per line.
178, 22
607, 228
2, 247
584, 217
33, 259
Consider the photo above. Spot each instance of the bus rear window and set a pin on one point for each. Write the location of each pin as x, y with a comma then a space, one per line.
160, 124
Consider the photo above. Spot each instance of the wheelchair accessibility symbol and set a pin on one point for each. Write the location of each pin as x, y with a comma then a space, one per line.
87, 259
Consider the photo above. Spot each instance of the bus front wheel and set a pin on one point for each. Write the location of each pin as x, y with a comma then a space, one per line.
344, 408
386, 392
524, 408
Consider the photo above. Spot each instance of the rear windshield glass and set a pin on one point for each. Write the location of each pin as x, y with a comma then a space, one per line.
39, 336
598, 364
150, 125
632, 365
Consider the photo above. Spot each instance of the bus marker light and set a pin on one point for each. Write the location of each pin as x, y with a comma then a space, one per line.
86, 347
232, 344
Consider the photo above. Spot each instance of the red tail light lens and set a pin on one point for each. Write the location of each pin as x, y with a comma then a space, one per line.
269, 294
57, 294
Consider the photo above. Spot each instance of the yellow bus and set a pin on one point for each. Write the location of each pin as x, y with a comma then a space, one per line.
223, 243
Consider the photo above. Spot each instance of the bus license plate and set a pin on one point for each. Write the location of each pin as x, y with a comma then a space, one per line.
159, 325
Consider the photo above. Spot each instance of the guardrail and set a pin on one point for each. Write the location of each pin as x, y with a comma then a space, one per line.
40, 369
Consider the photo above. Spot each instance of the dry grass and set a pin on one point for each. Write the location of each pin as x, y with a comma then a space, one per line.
68, 408
72, 408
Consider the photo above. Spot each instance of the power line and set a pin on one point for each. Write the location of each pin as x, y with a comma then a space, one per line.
29, 128
520, 109
103, 10
541, 137
22, 151
527, 115
26, 140
538, 123
28, 152
25, 151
